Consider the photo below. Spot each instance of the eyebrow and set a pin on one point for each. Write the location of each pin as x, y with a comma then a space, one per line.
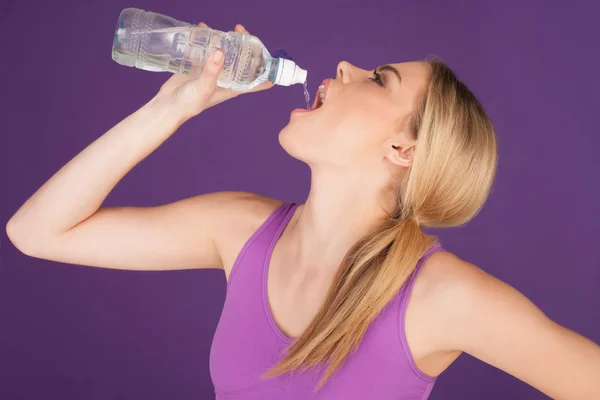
392, 69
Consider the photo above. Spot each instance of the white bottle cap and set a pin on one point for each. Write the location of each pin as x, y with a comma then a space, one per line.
288, 73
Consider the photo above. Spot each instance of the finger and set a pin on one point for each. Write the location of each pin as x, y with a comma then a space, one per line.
240, 29
196, 70
207, 82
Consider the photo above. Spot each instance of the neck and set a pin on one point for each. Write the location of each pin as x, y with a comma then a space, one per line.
339, 211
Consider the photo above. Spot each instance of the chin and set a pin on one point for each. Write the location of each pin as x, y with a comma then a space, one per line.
298, 143
289, 141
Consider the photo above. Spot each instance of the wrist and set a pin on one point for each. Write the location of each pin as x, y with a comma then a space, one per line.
165, 108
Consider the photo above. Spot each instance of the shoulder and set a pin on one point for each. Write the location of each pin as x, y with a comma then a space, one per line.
459, 299
246, 205
231, 208
232, 211
236, 216
444, 273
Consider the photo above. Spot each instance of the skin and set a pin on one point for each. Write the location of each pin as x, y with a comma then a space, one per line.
356, 147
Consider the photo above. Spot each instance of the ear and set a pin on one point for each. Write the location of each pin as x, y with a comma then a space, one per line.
400, 151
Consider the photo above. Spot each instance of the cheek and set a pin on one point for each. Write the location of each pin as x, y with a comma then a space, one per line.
361, 113
364, 129
347, 131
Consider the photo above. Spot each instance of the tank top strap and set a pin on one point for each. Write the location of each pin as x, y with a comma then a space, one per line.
257, 245
410, 282
404, 297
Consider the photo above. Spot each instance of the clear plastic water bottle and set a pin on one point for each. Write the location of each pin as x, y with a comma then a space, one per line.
156, 42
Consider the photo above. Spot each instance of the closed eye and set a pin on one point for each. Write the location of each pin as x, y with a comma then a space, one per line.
381, 72
377, 78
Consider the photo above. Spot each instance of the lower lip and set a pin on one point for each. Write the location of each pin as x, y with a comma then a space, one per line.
300, 111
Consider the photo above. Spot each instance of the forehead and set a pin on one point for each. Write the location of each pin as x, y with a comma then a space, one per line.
415, 75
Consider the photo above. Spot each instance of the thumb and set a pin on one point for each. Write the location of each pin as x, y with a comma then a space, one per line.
207, 82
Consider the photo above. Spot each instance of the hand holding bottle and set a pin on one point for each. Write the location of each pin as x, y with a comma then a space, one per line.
191, 94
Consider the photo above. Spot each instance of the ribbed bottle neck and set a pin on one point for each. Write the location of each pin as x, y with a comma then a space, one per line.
286, 73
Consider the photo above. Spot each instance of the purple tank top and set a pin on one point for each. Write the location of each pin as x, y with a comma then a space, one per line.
247, 341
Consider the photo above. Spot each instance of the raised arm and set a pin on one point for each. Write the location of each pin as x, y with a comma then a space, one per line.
63, 220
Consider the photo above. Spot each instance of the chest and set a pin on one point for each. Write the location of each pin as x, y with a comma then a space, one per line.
247, 343
292, 295
266, 306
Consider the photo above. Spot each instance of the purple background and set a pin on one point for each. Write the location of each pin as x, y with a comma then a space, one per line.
72, 332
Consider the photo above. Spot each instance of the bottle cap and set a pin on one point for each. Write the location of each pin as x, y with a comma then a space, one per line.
289, 73
280, 53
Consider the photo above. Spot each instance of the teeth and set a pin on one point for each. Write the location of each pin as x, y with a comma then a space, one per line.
322, 93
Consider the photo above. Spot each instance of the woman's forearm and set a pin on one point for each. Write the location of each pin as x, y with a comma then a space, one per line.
80, 187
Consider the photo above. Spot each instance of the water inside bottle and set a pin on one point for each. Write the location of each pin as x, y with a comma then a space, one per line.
306, 95
169, 30
179, 29
121, 31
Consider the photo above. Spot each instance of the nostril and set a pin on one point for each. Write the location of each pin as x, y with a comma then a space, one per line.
340, 70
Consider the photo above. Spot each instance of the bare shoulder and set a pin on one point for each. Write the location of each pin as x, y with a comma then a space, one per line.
447, 280
237, 212
240, 215
447, 284
456, 297
232, 206
446, 272
441, 279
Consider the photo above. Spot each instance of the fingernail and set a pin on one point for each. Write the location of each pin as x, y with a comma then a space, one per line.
217, 56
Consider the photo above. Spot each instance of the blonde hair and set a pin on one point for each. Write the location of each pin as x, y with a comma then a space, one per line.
453, 169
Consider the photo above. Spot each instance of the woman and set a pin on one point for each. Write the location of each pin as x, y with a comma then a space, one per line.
343, 297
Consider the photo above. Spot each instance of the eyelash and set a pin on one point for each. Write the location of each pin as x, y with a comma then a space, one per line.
377, 78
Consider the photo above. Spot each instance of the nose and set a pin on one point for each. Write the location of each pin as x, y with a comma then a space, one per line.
344, 71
